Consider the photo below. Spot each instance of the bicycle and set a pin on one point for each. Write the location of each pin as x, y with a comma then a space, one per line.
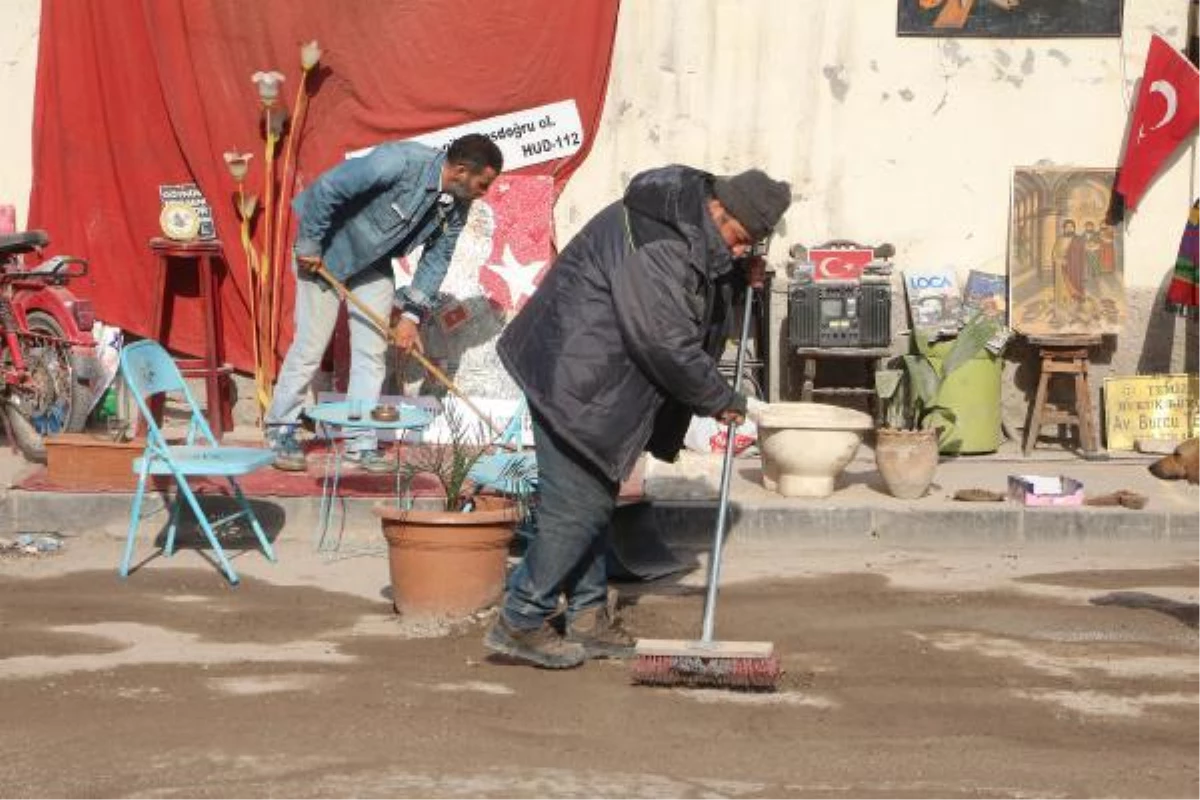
47, 352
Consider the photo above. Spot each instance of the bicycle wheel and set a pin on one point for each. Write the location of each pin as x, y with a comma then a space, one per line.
55, 398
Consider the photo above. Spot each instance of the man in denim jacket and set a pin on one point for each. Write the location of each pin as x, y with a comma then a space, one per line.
355, 218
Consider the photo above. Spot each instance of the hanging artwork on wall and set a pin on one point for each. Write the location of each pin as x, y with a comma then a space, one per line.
1009, 19
1065, 263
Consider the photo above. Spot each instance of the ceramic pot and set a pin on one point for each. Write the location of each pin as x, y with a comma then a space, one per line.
447, 563
906, 460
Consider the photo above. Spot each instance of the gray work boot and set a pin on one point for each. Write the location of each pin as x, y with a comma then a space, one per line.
289, 457
600, 634
542, 647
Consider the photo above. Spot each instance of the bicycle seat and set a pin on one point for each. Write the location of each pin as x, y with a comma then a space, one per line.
13, 244
55, 267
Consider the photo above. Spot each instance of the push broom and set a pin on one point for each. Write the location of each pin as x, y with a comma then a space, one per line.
707, 662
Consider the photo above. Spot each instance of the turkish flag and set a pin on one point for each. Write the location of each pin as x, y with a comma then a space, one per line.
1166, 112
505, 249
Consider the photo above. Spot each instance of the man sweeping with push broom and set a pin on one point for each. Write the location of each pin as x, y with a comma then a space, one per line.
616, 352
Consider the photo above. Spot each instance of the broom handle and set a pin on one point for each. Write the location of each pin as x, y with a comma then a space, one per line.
385, 329
714, 563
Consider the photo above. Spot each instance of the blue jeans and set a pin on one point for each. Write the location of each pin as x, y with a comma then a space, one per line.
317, 306
567, 555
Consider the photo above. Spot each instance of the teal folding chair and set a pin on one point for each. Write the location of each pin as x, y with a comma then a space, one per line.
148, 370
508, 471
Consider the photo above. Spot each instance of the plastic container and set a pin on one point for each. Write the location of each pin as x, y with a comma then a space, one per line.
107, 407
972, 393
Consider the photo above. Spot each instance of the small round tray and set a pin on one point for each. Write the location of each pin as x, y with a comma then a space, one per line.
385, 413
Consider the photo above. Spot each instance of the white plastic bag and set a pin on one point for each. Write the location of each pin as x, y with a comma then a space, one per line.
706, 435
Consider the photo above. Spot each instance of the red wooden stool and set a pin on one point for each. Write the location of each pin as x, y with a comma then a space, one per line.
211, 367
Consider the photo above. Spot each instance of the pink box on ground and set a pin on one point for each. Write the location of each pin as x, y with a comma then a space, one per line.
1042, 490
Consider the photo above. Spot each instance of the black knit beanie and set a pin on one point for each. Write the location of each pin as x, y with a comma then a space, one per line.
754, 199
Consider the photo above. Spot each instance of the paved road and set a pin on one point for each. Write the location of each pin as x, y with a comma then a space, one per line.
910, 673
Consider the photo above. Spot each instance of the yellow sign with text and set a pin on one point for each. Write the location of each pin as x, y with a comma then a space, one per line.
1150, 407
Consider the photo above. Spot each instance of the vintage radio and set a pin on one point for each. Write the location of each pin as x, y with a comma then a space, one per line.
840, 313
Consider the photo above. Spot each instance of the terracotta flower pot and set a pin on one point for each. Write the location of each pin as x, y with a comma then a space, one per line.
906, 460
447, 563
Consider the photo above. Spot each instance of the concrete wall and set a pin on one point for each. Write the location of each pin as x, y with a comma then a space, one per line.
18, 66
905, 140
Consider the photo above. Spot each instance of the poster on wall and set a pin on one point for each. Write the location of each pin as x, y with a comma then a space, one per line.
1009, 19
503, 253
1065, 267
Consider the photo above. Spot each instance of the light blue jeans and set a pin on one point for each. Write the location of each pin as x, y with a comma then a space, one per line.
317, 305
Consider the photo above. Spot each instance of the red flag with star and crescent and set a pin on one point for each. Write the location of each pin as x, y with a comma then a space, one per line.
505, 252
522, 248
1166, 112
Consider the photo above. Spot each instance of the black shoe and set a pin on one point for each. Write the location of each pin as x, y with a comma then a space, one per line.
600, 634
542, 647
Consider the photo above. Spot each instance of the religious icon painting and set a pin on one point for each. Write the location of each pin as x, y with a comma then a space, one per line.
1065, 264
1009, 19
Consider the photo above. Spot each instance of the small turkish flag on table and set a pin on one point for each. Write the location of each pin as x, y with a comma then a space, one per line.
1166, 111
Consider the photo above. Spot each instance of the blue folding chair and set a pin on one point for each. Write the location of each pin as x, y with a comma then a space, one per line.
508, 471
148, 370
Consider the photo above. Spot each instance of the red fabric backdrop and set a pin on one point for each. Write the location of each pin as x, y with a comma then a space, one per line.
132, 94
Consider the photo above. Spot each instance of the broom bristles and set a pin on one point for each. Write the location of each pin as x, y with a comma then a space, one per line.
755, 673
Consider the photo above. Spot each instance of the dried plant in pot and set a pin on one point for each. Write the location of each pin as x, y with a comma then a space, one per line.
906, 447
450, 559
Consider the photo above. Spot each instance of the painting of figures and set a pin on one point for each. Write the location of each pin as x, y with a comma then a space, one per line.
1009, 19
1065, 265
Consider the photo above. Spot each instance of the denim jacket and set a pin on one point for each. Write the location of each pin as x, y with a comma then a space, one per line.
368, 210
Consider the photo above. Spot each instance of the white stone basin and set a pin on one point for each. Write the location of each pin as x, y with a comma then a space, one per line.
805, 446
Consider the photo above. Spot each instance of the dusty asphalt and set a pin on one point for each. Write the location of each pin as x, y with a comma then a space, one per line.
1000, 673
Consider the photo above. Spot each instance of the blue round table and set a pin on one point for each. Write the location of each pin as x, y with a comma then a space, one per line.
335, 418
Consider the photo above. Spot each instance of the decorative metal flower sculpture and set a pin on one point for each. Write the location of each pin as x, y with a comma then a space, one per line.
310, 55
268, 87
238, 164
266, 263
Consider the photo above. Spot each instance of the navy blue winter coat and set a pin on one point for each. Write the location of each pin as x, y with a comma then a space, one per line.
618, 347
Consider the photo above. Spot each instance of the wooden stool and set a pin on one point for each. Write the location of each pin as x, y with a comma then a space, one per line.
1064, 355
210, 366
873, 356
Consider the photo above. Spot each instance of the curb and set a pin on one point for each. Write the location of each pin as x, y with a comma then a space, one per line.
690, 524
684, 523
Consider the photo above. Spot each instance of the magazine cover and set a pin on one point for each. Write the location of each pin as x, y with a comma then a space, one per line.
934, 301
986, 294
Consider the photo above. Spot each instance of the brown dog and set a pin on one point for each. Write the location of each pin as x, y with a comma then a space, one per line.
1184, 463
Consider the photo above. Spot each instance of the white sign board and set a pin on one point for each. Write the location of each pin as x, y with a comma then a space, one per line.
532, 136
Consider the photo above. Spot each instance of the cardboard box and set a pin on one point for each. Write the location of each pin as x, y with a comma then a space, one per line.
1042, 490
89, 460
